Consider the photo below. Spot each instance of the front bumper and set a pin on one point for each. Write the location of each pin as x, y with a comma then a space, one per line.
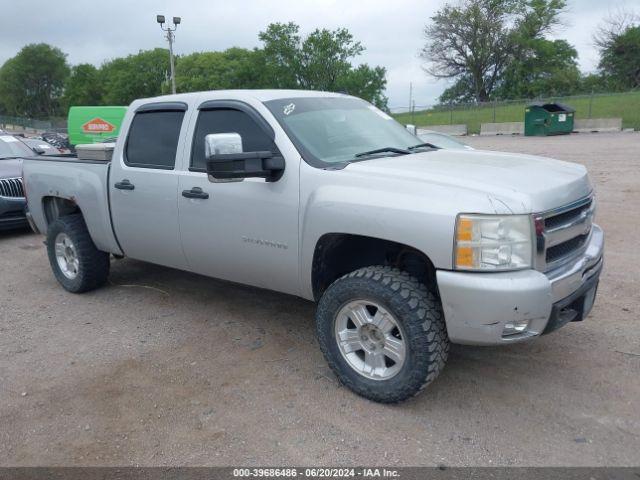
477, 306
12, 213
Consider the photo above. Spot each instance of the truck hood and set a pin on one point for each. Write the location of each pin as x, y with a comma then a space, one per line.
523, 183
10, 168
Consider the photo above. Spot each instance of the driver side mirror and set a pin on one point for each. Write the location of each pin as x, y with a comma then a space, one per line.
222, 144
227, 162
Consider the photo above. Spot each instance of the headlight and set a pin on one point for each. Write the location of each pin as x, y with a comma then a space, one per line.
493, 242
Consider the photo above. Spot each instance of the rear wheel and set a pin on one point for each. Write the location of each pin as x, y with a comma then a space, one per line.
383, 333
76, 262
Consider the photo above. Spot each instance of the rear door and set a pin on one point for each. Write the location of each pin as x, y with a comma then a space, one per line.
143, 185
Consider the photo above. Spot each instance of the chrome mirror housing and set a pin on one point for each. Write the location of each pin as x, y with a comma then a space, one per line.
222, 144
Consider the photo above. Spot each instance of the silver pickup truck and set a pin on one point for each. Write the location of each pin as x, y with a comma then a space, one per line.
406, 248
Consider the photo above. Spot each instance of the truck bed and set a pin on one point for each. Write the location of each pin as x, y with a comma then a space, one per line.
82, 182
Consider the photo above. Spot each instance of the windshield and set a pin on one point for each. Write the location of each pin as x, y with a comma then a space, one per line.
10, 146
332, 130
41, 144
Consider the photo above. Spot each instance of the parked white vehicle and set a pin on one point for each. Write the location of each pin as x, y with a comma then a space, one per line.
406, 248
442, 140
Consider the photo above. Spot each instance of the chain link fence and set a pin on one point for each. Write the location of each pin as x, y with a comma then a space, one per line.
31, 125
624, 105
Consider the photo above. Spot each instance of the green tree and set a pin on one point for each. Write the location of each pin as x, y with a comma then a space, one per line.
543, 67
594, 82
135, 76
232, 68
84, 86
620, 58
365, 82
461, 91
474, 42
281, 49
32, 82
319, 61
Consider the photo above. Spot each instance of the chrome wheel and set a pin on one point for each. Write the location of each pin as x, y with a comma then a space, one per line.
370, 339
66, 256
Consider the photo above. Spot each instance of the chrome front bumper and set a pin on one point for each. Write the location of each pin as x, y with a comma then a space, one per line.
477, 306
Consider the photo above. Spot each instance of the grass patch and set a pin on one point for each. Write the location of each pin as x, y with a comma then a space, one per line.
615, 105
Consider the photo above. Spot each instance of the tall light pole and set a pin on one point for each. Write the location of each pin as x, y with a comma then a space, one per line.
170, 36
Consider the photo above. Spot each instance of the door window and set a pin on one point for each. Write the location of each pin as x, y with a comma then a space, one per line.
226, 120
153, 139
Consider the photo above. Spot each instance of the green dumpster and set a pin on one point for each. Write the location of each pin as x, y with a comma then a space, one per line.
542, 119
94, 124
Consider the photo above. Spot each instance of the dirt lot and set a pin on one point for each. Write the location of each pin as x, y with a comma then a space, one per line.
168, 368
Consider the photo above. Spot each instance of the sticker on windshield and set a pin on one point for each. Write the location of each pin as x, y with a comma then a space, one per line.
8, 138
380, 112
288, 109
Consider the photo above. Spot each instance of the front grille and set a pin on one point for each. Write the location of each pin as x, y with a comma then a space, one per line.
562, 234
565, 248
561, 218
11, 187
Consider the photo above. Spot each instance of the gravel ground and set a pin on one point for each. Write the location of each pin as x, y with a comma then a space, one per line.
163, 367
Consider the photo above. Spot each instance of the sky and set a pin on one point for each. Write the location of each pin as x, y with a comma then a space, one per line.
390, 30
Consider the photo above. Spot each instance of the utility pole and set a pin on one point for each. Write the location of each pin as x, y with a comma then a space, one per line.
170, 36
412, 103
410, 95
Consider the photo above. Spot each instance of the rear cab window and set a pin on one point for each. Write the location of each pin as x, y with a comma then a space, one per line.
154, 135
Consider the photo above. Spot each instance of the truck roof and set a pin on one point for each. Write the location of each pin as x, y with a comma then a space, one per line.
261, 95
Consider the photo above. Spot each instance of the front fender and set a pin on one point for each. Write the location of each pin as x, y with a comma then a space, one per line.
417, 214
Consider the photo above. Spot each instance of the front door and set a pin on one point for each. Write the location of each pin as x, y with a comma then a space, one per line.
244, 231
143, 187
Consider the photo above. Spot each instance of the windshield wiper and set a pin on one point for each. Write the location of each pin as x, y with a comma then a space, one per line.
400, 151
9, 158
420, 145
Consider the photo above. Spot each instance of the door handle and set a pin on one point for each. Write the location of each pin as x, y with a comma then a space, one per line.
124, 185
195, 192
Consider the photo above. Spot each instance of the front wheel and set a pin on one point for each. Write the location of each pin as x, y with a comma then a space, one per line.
382, 333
